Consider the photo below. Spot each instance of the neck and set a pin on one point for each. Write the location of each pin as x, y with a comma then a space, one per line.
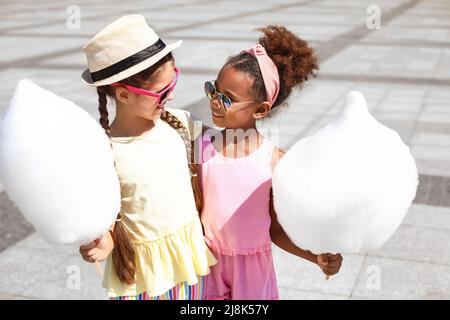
248, 127
128, 125
238, 135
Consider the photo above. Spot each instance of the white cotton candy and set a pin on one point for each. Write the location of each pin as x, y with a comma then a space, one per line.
346, 188
57, 166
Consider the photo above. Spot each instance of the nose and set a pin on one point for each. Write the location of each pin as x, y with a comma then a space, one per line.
165, 100
170, 96
215, 104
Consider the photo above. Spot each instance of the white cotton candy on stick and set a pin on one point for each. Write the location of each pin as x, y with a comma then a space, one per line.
57, 166
346, 188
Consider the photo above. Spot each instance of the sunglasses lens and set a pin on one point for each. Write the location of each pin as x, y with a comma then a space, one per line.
209, 90
226, 101
167, 93
164, 96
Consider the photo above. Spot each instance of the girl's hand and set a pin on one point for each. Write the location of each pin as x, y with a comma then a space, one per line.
98, 250
329, 263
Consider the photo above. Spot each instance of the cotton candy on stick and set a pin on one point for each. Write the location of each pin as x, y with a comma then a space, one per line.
57, 165
346, 188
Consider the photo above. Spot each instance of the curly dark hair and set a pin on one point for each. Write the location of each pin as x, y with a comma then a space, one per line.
296, 62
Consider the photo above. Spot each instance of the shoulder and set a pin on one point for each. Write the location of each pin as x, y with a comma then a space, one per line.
190, 121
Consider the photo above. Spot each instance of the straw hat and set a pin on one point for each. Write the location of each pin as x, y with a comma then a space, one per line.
122, 49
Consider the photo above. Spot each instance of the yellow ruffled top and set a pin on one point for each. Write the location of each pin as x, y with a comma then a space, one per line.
158, 211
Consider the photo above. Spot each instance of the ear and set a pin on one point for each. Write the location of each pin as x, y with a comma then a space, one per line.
262, 110
123, 95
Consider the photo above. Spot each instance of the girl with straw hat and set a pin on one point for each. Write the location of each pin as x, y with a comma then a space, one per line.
157, 245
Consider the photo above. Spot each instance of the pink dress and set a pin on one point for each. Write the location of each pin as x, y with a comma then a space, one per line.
236, 222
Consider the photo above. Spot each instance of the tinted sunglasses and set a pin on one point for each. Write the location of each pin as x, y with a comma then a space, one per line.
161, 96
211, 92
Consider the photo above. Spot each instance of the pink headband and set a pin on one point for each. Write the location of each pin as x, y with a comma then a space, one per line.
269, 72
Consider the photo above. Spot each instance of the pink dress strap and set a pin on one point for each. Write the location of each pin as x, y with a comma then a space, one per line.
236, 194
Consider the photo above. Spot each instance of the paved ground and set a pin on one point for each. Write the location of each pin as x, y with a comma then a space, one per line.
403, 69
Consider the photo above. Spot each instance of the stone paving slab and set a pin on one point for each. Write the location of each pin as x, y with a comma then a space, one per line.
402, 69
402, 279
296, 273
40, 272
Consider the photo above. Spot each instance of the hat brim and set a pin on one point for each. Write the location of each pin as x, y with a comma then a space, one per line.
86, 74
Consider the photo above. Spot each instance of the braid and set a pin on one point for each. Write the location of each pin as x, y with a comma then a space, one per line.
123, 254
176, 124
104, 121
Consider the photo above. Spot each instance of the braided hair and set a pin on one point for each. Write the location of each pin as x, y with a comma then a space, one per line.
123, 255
176, 124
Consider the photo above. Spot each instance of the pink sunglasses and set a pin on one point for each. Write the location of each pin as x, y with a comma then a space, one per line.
160, 96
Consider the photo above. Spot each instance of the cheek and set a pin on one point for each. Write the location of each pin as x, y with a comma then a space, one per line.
145, 107
146, 104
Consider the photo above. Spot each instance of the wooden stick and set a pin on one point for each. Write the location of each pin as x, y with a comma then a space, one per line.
327, 278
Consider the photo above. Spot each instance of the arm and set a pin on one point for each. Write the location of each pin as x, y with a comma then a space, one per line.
329, 263
277, 233
281, 239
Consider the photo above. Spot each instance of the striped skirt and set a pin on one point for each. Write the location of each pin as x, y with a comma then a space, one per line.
181, 291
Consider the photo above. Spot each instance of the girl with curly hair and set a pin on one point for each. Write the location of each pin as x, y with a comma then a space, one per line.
238, 216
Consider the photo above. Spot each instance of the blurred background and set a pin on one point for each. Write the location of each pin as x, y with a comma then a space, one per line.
397, 52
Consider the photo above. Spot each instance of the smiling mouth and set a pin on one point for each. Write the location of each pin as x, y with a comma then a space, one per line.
217, 115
